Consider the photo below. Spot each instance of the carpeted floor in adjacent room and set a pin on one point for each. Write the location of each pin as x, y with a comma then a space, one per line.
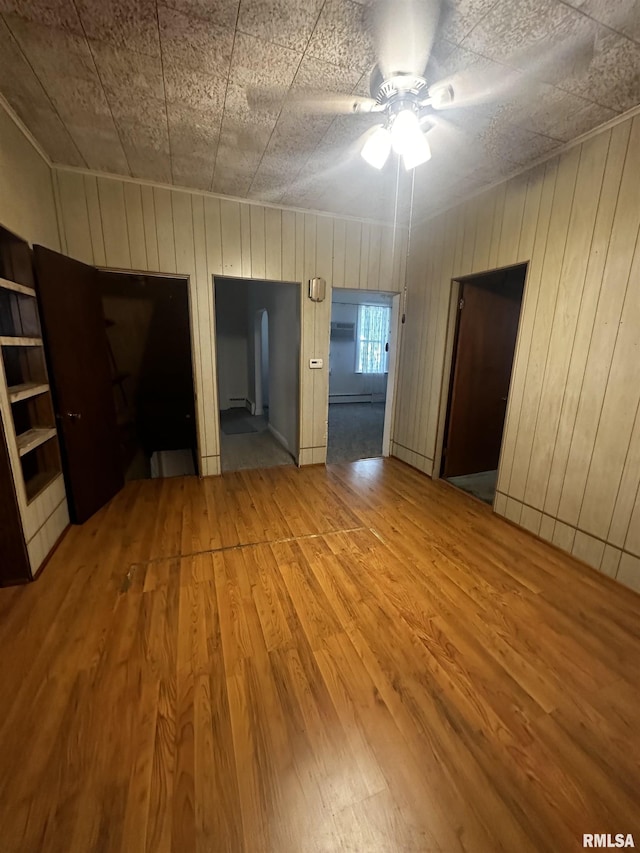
355, 431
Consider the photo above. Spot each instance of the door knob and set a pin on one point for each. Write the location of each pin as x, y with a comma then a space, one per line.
73, 416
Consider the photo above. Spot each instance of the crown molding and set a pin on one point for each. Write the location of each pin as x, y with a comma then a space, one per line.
79, 170
552, 155
15, 118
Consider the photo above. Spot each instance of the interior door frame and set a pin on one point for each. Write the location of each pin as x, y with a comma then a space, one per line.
187, 279
447, 371
392, 375
393, 362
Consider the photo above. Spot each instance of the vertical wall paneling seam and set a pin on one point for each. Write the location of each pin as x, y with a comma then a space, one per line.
53, 176
96, 232
429, 323
62, 234
144, 241
126, 225
417, 280
496, 230
552, 165
173, 231
86, 205
577, 325
155, 222
593, 327
553, 316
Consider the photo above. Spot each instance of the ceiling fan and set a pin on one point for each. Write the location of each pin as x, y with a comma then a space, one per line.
402, 92
403, 32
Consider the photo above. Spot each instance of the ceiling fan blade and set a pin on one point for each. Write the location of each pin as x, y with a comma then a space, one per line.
404, 31
309, 102
522, 71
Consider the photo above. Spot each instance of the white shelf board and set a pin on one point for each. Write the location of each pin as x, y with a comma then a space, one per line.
32, 438
17, 393
12, 341
5, 284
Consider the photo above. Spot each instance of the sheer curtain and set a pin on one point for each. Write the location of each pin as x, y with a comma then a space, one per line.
373, 334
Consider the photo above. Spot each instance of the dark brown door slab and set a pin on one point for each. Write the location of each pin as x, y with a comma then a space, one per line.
483, 359
75, 337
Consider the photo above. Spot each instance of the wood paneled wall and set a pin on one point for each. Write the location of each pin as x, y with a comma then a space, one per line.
27, 208
127, 225
570, 463
27, 204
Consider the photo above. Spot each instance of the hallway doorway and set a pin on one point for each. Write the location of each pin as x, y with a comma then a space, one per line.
258, 355
360, 358
488, 314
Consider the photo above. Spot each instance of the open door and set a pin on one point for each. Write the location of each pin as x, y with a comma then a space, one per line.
75, 338
488, 316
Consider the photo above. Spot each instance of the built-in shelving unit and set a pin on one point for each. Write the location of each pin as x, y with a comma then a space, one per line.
32, 501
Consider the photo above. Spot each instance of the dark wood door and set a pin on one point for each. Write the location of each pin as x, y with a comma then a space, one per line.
483, 360
76, 343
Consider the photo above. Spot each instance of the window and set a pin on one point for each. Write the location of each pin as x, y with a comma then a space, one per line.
373, 335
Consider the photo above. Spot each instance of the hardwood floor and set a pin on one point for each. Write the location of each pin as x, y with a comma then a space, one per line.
342, 659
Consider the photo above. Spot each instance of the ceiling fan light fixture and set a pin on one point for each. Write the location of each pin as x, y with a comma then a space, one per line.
404, 128
416, 151
377, 148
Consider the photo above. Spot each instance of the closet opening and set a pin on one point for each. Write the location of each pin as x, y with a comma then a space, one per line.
486, 328
148, 332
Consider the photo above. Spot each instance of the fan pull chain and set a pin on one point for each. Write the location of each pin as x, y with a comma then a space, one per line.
406, 267
395, 218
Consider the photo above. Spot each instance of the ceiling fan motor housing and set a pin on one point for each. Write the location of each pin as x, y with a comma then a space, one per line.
409, 87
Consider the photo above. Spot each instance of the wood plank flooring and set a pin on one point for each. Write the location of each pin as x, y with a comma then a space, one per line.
342, 659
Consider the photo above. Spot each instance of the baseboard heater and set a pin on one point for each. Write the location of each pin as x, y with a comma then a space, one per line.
357, 398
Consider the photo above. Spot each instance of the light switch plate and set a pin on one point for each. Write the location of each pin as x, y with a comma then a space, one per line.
315, 363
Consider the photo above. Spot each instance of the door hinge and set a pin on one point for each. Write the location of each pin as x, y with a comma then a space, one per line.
461, 304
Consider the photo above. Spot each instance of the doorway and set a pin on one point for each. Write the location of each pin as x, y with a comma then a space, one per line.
258, 371
149, 344
488, 314
361, 362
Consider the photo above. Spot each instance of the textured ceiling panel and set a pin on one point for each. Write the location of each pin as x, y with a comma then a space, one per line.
130, 24
223, 13
206, 93
621, 15
289, 23
58, 14
192, 42
341, 36
23, 90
